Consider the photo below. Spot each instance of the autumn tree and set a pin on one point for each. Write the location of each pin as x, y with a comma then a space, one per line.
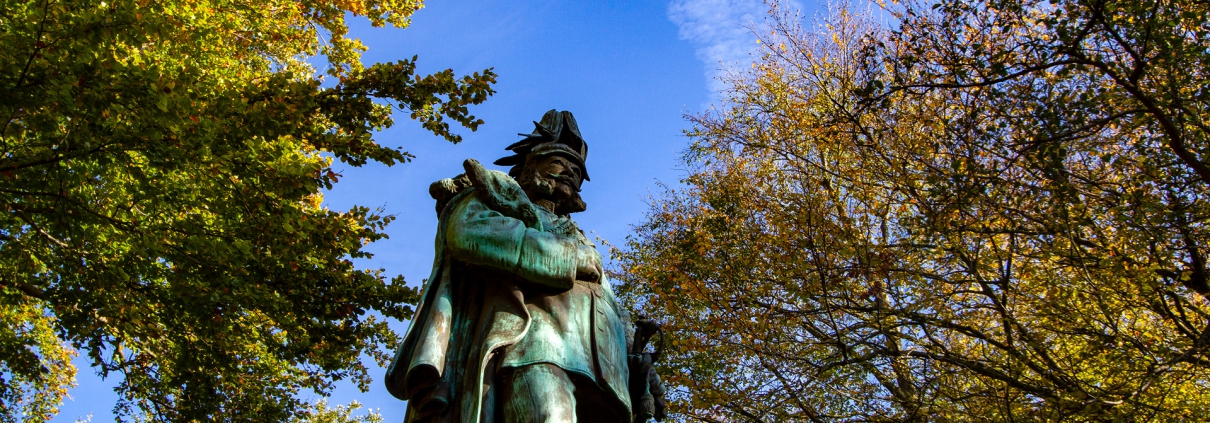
987, 211
161, 172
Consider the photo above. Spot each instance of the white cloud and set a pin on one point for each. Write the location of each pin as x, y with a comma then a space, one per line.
719, 30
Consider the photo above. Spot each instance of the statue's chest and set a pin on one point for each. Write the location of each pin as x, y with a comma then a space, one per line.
563, 226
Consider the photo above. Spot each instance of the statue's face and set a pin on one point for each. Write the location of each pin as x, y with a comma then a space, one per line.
555, 179
561, 169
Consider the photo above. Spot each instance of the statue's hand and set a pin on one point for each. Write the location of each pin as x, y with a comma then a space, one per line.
500, 192
588, 264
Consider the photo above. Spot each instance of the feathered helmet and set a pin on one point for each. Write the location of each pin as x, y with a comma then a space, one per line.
558, 134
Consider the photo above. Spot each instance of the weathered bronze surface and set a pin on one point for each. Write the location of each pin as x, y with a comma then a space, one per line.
517, 322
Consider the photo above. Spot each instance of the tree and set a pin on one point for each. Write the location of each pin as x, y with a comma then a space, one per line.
321, 413
162, 165
985, 212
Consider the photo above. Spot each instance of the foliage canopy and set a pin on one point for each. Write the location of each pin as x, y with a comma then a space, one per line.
991, 211
161, 170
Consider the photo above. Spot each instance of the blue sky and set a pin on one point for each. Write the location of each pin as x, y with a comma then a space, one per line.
628, 70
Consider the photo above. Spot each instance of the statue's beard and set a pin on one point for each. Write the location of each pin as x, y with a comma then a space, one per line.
557, 196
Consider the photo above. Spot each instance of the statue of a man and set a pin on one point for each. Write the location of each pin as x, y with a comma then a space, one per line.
516, 323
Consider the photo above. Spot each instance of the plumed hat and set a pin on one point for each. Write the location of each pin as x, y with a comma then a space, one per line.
558, 134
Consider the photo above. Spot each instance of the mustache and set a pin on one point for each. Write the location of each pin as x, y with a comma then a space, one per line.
570, 181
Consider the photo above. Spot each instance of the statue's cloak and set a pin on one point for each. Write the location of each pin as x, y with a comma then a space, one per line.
430, 368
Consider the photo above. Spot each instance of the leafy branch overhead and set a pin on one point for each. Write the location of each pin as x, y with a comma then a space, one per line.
162, 166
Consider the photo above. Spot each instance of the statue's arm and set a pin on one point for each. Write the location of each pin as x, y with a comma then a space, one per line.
479, 235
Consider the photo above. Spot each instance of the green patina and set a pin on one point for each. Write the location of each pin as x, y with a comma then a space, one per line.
517, 322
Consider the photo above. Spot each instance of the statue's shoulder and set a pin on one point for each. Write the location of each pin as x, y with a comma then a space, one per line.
493, 188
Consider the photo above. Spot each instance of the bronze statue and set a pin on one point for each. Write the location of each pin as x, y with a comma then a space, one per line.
517, 323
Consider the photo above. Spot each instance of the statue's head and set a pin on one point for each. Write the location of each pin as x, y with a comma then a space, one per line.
549, 163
